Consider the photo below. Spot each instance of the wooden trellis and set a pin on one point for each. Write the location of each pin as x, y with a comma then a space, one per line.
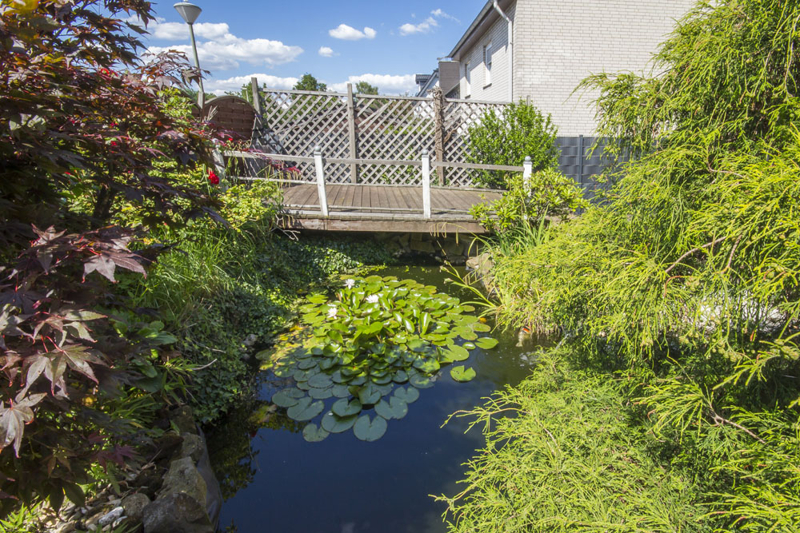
367, 127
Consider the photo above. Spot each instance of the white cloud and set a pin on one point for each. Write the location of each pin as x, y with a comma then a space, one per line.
386, 83
326, 51
426, 26
348, 33
174, 31
441, 14
235, 84
226, 53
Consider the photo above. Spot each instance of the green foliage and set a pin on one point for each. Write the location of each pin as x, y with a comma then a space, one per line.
547, 194
379, 334
507, 138
309, 83
562, 456
687, 279
364, 87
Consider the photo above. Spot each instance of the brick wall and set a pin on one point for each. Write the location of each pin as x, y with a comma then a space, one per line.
559, 43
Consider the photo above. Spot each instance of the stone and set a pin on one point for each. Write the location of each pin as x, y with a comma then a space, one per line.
110, 517
453, 249
183, 419
176, 513
422, 246
147, 481
134, 506
183, 477
192, 447
482, 265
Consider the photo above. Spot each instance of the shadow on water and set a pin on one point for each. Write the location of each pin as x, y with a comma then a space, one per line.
275, 481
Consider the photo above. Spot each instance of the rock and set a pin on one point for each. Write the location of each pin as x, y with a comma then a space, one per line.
422, 246
453, 249
134, 506
176, 513
192, 447
69, 527
183, 477
183, 418
111, 517
147, 481
251, 340
482, 265
405, 240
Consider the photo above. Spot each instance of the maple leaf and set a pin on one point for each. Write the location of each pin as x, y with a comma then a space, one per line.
14, 418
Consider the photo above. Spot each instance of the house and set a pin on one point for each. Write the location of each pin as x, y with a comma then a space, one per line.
540, 50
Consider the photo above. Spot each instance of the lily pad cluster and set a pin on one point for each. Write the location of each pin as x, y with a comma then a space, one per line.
369, 352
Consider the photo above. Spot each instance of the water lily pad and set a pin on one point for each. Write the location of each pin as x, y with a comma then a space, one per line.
421, 382
401, 376
305, 410
487, 343
317, 298
455, 353
282, 399
337, 424
369, 430
481, 328
417, 345
461, 374
469, 345
320, 394
340, 391
358, 381
345, 408
408, 395
320, 381
427, 365
394, 408
312, 433
369, 394
383, 409
382, 380
303, 385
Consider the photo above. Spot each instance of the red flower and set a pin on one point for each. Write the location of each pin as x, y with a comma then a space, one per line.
113, 143
213, 179
293, 169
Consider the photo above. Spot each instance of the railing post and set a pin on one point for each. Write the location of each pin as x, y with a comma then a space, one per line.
528, 171
323, 197
351, 126
426, 184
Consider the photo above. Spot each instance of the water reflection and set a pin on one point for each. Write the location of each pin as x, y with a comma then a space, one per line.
278, 482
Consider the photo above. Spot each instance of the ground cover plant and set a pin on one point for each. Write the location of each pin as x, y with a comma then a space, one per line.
685, 283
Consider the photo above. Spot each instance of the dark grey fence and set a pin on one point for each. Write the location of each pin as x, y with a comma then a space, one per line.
578, 163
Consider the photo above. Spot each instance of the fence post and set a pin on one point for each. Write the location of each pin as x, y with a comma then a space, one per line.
219, 167
580, 160
528, 171
351, 122
438, 116
426, 184
323, 197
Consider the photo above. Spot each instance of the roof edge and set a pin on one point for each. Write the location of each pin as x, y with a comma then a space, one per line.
487, 10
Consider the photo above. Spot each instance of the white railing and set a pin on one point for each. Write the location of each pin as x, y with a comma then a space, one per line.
320, 162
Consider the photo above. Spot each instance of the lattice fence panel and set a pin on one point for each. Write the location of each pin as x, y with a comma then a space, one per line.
388, 128
298, 122
459, 117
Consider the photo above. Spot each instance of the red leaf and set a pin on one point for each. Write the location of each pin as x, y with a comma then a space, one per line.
14, 418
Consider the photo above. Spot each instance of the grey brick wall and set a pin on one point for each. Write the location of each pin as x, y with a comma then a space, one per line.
559, 43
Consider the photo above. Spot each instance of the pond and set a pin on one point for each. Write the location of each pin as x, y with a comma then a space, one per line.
275, 480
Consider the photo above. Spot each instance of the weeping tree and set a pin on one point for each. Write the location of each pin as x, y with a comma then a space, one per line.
688, 280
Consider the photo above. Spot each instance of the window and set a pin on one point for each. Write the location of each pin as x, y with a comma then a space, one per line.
467, 80
487, 61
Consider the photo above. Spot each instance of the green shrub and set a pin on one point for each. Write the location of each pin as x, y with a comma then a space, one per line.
548, 193
507, 138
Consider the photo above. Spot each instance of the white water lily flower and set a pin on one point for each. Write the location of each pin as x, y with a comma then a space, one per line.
350, 283
373, 299
332, 312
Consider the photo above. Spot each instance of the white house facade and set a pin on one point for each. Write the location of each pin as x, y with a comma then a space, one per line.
540, 50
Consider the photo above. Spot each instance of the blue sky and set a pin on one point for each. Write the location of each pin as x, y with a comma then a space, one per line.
384, 43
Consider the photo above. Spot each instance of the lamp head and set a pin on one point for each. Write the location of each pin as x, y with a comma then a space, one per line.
188, 11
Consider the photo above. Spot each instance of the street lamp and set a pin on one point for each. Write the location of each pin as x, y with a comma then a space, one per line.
189, 13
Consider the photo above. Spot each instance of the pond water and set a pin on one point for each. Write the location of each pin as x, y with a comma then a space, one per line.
276, 481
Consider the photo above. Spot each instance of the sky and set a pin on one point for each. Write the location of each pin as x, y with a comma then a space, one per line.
381, 42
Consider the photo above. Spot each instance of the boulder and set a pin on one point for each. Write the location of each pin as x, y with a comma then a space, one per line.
176, 513
134, 506
183, 478
192, 447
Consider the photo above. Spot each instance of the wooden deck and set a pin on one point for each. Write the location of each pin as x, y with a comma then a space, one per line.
384, 208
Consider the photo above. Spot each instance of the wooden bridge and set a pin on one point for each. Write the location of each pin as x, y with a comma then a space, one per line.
423, 208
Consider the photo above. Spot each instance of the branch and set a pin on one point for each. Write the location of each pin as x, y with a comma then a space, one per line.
693, 250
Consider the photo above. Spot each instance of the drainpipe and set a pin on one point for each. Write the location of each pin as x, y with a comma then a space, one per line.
510, 50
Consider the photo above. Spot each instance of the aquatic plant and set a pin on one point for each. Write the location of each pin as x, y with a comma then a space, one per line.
378, 334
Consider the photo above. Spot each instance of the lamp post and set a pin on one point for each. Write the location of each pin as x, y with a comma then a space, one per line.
189, 13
